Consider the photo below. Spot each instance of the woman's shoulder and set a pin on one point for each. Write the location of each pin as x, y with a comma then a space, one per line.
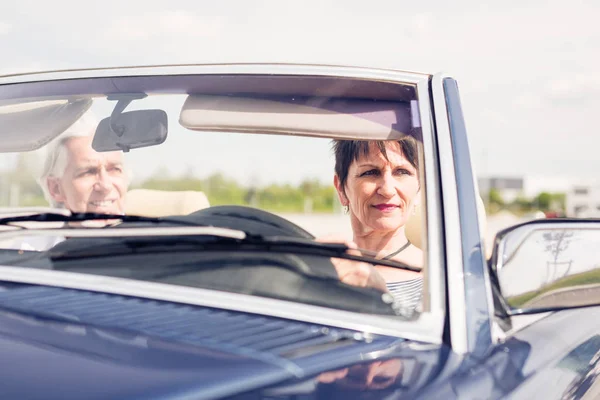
412, 255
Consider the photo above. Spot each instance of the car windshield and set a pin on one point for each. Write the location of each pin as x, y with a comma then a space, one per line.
275, 186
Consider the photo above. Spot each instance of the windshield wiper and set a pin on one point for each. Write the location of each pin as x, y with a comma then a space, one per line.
191, 243
251, 242
311, 247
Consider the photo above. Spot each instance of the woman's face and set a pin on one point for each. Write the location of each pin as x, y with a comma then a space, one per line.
380, 192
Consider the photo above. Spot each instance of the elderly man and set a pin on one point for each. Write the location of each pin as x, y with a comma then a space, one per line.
80, 179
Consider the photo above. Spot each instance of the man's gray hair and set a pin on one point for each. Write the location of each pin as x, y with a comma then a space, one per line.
57, 157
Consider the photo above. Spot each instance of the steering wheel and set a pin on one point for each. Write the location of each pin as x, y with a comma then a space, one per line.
248, 219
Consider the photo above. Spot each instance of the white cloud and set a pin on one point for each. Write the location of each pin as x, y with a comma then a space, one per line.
529, 100
164, 25
575, 88
5, 28
422, 23
17, 68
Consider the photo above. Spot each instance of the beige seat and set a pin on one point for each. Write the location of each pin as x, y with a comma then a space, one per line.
160, 203
414, 228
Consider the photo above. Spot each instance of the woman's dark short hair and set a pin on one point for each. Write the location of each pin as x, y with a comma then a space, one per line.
347, 151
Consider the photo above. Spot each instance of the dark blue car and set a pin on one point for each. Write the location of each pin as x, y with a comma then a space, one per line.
196, 247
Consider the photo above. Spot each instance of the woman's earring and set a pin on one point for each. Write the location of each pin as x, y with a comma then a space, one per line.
346, 209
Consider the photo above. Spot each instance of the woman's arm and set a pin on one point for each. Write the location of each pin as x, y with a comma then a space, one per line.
355, 273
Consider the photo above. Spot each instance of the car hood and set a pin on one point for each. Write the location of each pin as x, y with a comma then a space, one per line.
46, 360
72, 344
67, 344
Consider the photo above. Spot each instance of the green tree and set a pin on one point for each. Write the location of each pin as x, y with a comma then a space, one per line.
23, 175
495, 197
522, 204
558, 201
222, 190
543, 201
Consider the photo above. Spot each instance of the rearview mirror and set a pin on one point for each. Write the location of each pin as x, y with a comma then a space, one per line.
131, 130
545, 265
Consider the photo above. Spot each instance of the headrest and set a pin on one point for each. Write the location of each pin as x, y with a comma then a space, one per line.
161, 203
414, 226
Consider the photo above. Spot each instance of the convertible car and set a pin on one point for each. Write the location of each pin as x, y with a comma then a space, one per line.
208, 265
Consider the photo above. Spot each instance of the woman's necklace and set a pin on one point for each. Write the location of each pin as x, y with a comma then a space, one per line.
397, 251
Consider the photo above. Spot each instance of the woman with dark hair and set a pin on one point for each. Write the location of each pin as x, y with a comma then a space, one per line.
378, 185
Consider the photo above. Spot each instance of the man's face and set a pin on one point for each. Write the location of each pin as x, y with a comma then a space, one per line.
92, 182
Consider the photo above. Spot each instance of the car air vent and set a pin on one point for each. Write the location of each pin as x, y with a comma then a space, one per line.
241, 333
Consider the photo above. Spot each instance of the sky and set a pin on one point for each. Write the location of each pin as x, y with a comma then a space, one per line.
528, 72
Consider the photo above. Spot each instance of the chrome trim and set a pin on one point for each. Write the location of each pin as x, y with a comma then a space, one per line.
369, 324
452, 234
142, 231
5, 211
434, 260
520, 322
187, 69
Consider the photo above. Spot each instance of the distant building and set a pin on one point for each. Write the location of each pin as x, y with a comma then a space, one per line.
582, 195
508, 188
583, 201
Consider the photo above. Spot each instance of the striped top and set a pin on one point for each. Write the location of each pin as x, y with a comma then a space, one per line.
407, 296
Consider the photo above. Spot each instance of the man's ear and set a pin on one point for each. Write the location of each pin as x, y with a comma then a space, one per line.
54, 189
340, 190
